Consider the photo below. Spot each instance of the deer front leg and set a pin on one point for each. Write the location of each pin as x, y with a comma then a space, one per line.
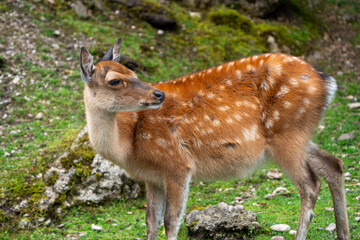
176, 193
154, 210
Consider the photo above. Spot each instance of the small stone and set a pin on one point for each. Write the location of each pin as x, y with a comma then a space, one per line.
40, 220
270, 196
274, 174
160, 32
346, 136
292, 232
57, 33
280, 227
16, 79
195, 14
280, 189
48, 222
277, 238
351, 98
13, 132
55, 46
24, 223
353, 105
96, 228
340, 73
358, 198
357, 219
347, 174
39, 116
330, 209
331, 227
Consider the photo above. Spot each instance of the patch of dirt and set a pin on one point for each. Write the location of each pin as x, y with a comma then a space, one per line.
336, 50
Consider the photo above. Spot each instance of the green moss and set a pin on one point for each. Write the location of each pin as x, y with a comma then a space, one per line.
52, 179
294, 38
231, 18
4, 220
196, 208
79, 156
98, 176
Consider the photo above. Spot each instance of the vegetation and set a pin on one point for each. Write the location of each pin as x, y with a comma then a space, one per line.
30, 144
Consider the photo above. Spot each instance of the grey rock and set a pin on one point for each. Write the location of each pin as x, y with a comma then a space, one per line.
277, 238
39, 116
96, 228
353, 105
221, 221
292, 232
106, 181
22, 205
274, 174
80, 9
357, 219
273, 46
331, 227
48, 222
280, 227
24, 223
346, 136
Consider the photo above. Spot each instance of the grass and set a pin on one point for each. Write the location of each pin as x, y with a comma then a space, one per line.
57, 93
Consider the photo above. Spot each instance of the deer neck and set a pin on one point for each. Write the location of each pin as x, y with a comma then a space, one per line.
107, 137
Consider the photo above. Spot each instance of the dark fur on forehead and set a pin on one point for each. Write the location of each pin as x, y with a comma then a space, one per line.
107, 66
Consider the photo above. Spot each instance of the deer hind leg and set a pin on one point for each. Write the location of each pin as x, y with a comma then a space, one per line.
332, 170
155, 209
176, 193
292, 161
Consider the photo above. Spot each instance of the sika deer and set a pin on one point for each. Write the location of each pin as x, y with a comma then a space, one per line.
219, 123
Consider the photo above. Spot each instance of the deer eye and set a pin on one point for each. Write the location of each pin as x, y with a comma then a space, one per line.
115, 82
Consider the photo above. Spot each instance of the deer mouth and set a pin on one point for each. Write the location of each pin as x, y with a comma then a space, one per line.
151, 105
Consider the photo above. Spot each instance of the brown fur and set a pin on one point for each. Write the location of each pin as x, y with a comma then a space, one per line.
219, 123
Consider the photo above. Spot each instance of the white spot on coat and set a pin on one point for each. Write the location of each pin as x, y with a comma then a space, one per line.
311, 89
283, 90
276, 115
261, 63
306, 101
269, 123
287, 104
224, 108
238, 74
216, 122
229, 120
237, 116
304, 77
293, 82
210, 95
251, 134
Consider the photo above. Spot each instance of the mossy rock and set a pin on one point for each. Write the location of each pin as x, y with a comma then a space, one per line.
231, 18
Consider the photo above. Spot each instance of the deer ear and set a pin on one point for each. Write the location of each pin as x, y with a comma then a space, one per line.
116, 50
86, 65
113, 54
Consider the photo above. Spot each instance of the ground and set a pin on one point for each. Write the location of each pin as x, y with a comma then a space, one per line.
41, 107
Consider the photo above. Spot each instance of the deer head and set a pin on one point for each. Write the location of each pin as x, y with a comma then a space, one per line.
112, 87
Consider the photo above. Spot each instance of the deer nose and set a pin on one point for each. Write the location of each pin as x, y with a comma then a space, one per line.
159, 95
